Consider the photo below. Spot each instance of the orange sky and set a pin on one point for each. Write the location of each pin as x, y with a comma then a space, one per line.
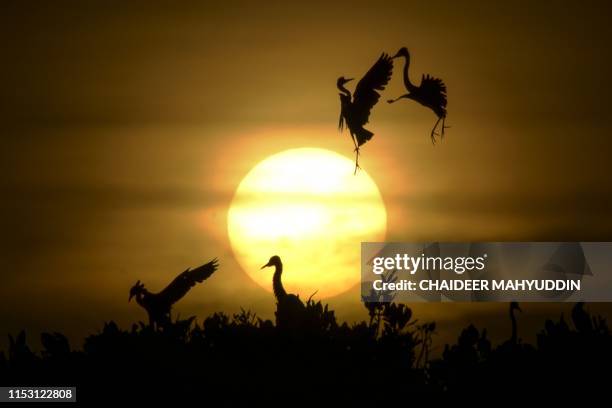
126, 129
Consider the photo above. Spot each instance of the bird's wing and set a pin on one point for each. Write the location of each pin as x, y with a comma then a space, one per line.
186, 280
435, 88
365, 96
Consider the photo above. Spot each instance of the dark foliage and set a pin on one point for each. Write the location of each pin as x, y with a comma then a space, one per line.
243, 357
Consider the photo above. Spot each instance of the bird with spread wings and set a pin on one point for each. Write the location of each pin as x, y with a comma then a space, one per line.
355, 109
431, 93
158, 305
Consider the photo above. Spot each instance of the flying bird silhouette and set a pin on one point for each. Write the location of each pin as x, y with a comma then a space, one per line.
356, 112
431, 93
159, 305
289, 308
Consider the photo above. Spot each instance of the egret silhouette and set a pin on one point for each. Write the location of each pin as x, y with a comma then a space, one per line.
514, 337
289, 308
431, 93
581, 318
356, 112
159, 305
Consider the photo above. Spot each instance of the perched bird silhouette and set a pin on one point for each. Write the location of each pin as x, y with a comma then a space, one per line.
356, 112
431, 93
514, 337
581, 318
289, 308
159, 305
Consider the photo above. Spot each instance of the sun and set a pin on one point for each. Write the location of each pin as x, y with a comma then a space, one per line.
308, 207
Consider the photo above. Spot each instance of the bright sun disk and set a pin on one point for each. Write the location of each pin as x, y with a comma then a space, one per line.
306, 206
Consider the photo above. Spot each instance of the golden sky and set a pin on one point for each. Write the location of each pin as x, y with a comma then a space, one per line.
127, 127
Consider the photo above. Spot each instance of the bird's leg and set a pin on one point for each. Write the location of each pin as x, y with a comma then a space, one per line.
398, 98
356, 153
443, 126
355, 143
356, 160
434, 133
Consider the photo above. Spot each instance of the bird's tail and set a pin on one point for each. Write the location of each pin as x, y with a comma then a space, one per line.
363, 135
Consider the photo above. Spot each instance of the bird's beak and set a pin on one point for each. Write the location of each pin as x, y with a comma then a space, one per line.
266, 265
348, 80
130, 298
395, 56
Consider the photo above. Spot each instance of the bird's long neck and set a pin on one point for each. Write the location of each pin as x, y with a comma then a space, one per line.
277, 284
140, 297
409, 86
513, 339
345, 92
